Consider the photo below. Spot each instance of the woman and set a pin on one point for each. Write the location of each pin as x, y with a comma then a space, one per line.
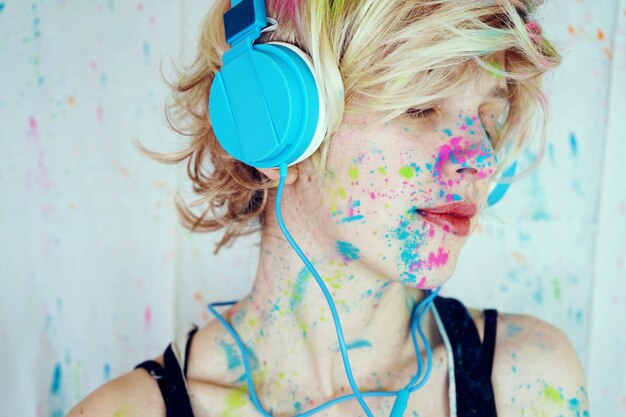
428, 102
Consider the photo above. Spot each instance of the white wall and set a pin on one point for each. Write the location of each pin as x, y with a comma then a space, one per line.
97, 275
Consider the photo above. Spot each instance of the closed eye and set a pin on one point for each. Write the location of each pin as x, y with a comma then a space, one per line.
421, 113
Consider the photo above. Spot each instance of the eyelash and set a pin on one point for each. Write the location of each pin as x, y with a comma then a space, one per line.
420, 113
415, 113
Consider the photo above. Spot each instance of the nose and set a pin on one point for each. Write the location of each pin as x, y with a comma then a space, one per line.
466, 155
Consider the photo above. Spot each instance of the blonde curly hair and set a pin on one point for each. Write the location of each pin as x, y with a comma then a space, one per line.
372, 56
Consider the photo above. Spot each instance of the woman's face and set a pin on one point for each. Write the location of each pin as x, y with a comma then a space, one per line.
382, 174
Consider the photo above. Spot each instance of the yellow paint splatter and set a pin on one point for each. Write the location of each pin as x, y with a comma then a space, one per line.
552, 394
234, 401
406, 172
353, 172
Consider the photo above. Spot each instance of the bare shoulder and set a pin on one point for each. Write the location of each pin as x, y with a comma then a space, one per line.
135, 393
536, 370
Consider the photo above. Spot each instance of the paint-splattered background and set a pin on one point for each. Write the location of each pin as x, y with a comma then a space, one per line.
97, 275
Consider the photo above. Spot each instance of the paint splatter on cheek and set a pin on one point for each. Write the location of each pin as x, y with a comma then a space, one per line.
345, 206
410, 243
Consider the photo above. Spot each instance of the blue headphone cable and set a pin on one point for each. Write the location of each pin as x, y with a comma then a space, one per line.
418, 312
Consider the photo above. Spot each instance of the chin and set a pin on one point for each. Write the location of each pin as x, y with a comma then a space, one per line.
427, 281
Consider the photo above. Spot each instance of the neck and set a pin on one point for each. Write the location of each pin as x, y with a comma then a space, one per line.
287, 309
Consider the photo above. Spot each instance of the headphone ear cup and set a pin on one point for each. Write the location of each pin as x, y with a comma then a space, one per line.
265, 105
321, 120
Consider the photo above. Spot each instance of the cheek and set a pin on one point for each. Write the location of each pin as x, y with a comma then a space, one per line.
352, 192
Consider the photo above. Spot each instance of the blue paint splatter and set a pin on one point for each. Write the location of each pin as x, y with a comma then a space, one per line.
252, 361
358, 343
537, 197
352, 218
107, 371
551, 152
579, 316
299, 288
146, 52
1, 7
348, 251
455, 197
447, 132
573, 145
411, 240
354, 345
513, 329
469, 121
232, 357
56, 380
539, 295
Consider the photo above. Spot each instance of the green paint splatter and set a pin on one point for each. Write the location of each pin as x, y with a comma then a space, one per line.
495, 65
298, 291
235, 400
552, 394
342, 193
353, 172
382, 170
406, 172
556, 287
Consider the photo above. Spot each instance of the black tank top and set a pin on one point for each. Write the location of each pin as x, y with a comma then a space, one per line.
472, 364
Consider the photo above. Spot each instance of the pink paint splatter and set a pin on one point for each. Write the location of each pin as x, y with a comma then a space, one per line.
437, 260
40, 177
99, 116
147, 317
421, 283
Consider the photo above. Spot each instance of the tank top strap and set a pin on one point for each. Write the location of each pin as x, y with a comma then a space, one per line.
182, 345
171, 377
489, 339
474, 392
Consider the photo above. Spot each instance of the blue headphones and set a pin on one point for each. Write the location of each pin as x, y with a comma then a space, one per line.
266, 107
267, 110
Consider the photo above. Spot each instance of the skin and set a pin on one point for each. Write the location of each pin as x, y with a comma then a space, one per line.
376, 259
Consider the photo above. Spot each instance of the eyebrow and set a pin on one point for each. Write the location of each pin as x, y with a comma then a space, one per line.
498, 92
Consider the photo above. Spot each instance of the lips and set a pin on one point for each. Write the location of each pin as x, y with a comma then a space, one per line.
453, 217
